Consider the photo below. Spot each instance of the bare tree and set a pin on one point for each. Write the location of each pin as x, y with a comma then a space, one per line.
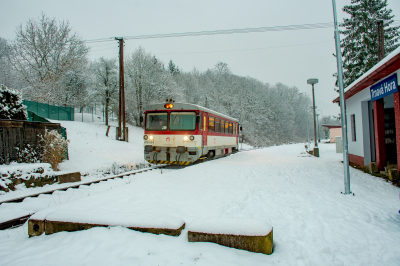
6, 76
147, 82
105, 82
43, 52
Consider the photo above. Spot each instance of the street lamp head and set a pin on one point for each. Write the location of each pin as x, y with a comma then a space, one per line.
312, 81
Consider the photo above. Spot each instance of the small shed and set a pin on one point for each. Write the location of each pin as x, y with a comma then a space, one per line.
334, 131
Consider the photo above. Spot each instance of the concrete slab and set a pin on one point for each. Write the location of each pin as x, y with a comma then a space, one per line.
247, 234
70, 221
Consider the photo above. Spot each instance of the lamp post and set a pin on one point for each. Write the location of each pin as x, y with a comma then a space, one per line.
316, 150
342, 104
308, 131
319, 137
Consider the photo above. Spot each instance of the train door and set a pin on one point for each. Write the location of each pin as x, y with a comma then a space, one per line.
205, 125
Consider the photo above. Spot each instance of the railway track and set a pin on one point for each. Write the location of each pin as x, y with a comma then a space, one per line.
19, 209
66, 193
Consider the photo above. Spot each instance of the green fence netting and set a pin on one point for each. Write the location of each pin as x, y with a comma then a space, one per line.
50, 111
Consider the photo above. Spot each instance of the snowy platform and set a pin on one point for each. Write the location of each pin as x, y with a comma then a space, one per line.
247, 234
70, 221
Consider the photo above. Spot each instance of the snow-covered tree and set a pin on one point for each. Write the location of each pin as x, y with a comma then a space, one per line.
11, 106
360, 42
43, 53
147, 81
104, 83
5, 67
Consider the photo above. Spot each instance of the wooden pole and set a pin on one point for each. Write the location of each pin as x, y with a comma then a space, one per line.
121, 88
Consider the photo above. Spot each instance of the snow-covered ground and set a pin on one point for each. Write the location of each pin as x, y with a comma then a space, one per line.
298, 195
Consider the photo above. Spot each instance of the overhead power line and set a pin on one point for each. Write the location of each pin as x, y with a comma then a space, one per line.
219, 32
231, 31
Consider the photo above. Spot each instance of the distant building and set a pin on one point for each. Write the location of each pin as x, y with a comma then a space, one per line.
373, 114
334, 131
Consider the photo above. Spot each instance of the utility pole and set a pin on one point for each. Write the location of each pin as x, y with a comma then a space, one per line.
381, 41
342, 104
121, 116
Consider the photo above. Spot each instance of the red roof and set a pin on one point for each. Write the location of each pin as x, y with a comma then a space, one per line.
381, 70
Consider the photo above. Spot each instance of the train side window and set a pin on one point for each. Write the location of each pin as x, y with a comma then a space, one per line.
230, 128
234, 128
226, 127
217, 125
222, 126
205, 121
211, 124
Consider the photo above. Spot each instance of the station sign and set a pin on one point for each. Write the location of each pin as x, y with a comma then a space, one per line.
384, 88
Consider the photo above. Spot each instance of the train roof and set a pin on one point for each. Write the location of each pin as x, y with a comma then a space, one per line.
185, 106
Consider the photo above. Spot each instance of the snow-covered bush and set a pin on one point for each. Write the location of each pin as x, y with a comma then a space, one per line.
11, 106
22, 175
28, 154
54, 148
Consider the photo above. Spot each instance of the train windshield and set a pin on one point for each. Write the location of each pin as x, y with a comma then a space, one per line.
156, 121
182, 121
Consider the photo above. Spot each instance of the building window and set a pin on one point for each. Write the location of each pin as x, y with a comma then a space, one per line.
353, 127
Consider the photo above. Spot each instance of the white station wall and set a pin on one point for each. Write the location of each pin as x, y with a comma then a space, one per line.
355, 107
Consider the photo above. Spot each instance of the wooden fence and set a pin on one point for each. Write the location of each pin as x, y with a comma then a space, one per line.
19, 133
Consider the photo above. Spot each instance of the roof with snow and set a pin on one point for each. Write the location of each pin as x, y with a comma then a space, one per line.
385, 67
332, 126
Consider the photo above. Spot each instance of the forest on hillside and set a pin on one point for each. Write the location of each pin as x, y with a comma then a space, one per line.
47, 62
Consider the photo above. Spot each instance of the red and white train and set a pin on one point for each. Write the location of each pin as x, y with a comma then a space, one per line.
181, 133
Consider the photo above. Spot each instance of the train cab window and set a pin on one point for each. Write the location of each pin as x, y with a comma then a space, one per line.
217, 124
211, 125
226, 127
230, 128
156, 121
222, 126
182, 121
234, 128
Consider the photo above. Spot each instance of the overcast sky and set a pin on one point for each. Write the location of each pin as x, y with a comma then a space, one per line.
289, 57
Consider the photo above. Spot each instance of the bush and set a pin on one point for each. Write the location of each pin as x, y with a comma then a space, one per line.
11, 106
28, 154
54, 148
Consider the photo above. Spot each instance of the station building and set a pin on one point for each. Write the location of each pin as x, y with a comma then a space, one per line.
373, 114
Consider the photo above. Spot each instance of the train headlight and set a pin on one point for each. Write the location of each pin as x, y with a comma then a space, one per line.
191, 137
151, 137
145, 137
169, 106
185, 138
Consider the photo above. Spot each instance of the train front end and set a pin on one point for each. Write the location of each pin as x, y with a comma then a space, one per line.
172, 134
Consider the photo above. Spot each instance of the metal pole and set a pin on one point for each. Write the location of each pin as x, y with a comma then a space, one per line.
342, 104
319, 136
308, 131
315, 128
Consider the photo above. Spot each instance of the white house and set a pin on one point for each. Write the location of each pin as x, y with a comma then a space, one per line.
373, 114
